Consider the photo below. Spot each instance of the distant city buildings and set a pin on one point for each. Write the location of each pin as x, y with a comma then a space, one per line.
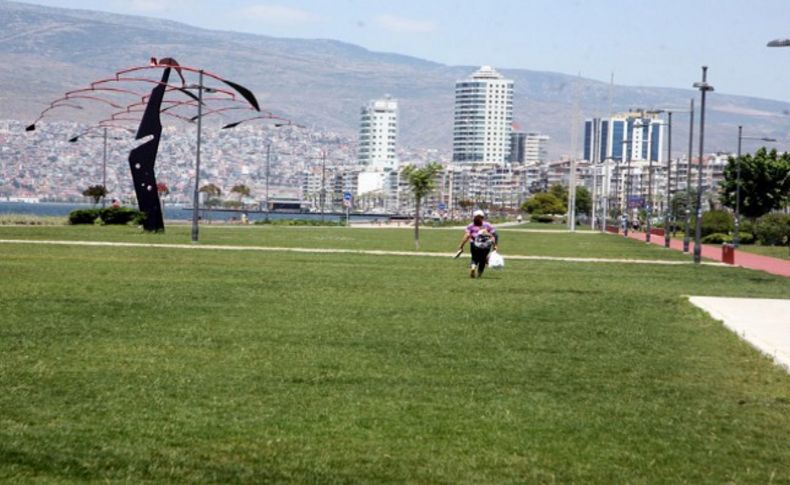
483, 118
518, 141
634, 136
535, 148
378, 135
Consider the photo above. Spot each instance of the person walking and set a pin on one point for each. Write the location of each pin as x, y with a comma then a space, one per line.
483, 238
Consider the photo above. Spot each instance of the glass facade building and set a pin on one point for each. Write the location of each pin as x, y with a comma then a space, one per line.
634, 135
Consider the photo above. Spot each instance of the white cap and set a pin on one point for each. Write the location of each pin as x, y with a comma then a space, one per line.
478, 212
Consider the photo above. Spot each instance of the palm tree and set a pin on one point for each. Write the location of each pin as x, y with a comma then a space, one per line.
212, 194
422, 182
242, 191
95, 192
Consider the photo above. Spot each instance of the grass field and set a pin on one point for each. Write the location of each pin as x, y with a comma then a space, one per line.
772, 251
159, 364
392, 239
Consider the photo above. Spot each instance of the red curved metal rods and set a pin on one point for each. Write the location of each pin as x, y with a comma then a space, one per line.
102, 91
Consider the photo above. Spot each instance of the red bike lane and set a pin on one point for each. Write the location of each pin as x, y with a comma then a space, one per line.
768, 264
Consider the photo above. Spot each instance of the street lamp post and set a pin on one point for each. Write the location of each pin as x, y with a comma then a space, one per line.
268, 161
703, 87
736, 235
196, 194
687, 230
667, 219
105, 137
323, 183
104, 170
627, 187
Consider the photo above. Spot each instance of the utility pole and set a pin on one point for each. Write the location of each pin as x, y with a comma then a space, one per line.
667, 219
323, 182
704, 87
104, 170
687, 230
196, 195
268, 162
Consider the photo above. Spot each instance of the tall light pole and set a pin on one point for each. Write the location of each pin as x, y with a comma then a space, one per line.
196, 194
667, 219
268, 162
104, 170
736, 235
627, 186
687, 231
105, 137
703, 87
323, 183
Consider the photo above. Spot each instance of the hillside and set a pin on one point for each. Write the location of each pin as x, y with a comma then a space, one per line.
45, 51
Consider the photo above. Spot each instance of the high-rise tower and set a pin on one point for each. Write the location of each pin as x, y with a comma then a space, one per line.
378, 135
483, 118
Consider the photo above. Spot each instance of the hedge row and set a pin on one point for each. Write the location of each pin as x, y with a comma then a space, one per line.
109, 216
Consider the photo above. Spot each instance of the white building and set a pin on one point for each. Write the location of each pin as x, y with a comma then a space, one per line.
483, 118
378, 135
535, 151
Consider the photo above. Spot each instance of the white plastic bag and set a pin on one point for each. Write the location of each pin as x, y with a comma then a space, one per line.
495, 260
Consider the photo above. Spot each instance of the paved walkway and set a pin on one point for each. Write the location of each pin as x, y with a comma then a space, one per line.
371, 252
775, 266
762, 322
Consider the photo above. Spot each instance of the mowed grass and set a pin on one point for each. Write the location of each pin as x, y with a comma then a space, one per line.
781, 252
512, 241
149, 364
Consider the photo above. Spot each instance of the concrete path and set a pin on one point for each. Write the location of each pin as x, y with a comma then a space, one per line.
743, 259
763, 323
373, 252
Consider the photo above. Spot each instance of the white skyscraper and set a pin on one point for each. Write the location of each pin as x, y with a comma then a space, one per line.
483, 118
378, 135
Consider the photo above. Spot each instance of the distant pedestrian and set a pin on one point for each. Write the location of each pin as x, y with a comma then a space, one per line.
116, 203
483, 238
519, 219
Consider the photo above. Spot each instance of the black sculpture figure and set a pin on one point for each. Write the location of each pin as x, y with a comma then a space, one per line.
143, 158
109, 91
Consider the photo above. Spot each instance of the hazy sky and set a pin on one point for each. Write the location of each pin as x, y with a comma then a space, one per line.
655, 43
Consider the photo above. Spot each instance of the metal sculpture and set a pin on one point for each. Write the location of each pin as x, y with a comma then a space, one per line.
142, 159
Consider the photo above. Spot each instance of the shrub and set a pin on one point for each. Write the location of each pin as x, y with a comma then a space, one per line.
542, 218
83, 216
717, 238
747, 225
717, 221
773, 229
745, 238
119, 215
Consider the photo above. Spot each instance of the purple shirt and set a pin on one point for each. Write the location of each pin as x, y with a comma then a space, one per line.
472, 230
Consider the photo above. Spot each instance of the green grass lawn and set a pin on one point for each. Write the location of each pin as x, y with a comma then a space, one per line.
395, 239
149, 364
773, 251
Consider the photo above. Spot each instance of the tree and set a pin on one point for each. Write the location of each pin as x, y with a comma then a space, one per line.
95, 192
242, 191
765, 183
560, 192
466, 204
422, 182
212, 195
583, 201
543, 203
